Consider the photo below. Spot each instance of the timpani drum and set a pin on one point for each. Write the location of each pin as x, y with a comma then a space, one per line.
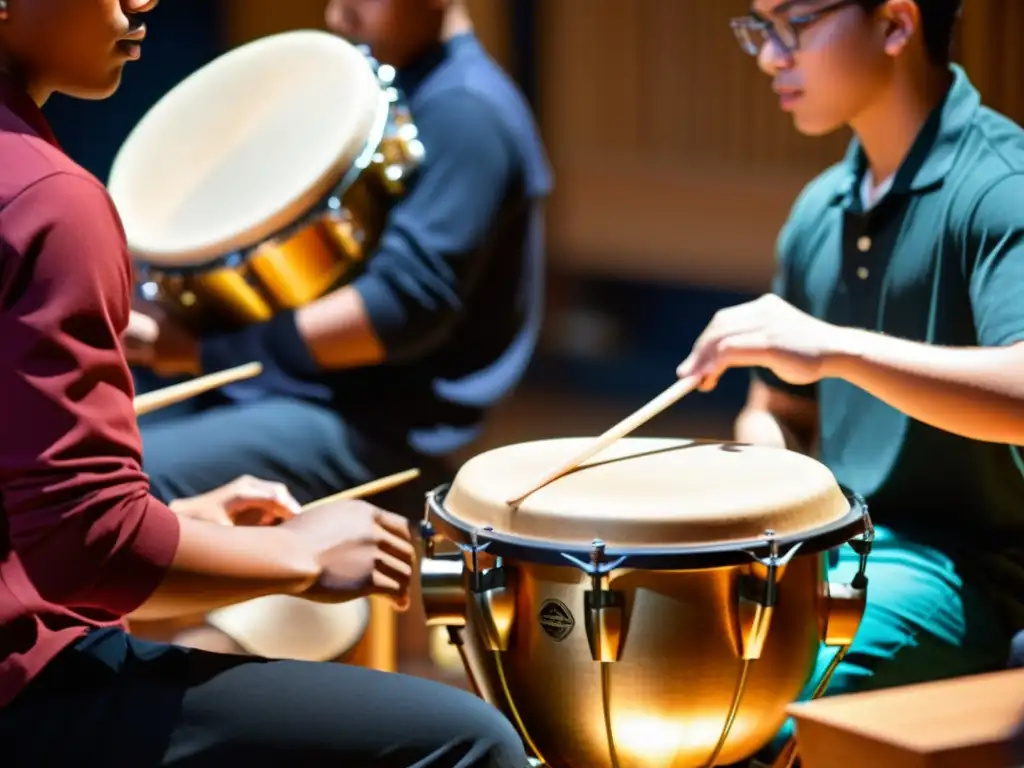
263, 180
659, 607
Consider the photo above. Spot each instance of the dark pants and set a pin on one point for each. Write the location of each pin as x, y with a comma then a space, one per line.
203, 443
118, 702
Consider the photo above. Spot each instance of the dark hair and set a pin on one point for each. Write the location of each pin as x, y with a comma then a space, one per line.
938, 19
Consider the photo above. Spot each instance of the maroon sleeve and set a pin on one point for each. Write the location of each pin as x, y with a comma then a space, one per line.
71, 484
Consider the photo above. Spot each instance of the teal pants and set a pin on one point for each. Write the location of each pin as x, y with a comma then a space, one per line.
922, 623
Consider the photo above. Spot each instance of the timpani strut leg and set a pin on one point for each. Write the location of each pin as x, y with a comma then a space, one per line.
758, 594
846, 604
455, 638
459, 585
492, 606
604, 621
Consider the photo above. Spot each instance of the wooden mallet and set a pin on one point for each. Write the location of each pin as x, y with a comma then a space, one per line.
177, 393
669, 397
379, 485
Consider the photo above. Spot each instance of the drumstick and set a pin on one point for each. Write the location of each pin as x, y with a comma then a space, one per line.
176, 393
669, 397
366, 489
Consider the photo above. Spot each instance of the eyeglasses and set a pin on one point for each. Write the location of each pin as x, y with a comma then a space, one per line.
754, 32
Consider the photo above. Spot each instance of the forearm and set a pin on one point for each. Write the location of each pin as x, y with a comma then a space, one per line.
338, 332
216, 565
977, 393
331, 333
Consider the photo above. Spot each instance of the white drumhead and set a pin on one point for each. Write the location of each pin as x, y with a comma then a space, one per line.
286, 627
244, 146
647, 492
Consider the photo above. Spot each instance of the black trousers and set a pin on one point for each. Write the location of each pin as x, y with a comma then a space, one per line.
113, 701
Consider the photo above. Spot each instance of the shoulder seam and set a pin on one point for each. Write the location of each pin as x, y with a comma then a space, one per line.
972, 209
466, 89
497, 125
983, 130
52, 175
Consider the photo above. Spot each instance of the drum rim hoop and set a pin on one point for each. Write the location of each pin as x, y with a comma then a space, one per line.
230, 258
681, 557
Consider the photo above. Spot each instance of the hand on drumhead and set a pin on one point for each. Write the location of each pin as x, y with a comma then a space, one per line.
155, 341
363, 550
768, 333
246, 500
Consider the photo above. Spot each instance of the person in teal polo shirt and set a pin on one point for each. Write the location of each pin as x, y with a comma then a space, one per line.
892, 345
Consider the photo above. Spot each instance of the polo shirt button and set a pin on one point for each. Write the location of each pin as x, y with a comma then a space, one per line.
864, 244
862, 273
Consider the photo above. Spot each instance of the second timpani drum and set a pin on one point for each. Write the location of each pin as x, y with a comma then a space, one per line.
660, 607
263, 180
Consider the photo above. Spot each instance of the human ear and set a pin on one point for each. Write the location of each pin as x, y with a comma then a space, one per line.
901, 19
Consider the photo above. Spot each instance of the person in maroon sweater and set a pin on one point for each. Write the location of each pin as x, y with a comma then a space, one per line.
82, 542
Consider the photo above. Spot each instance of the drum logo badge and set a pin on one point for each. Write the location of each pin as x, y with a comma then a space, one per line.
556, 620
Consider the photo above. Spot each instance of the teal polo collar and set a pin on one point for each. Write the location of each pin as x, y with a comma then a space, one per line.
934, 150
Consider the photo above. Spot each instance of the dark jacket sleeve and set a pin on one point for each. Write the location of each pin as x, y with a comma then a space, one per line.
415, 283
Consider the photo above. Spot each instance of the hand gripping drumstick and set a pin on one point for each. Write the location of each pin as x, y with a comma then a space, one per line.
366, 489
381, 629
669, 397
176, 393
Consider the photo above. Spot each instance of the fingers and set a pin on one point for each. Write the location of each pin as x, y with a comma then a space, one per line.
142, 328
283, 505
284, 497
394, 533
696, 363
138, 339
685, 368
396, 546
725, 343
396, 559
392, 578
257, 512
137, 352
247, 485
396, 524
363, 550
709, 383
385, 586
260, 502
744, 350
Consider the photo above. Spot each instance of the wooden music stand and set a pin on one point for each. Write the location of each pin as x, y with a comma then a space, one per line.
961, 723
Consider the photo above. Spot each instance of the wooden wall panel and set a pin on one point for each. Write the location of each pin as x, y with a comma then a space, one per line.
247, 20
990, 49
673, 160
491, 18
